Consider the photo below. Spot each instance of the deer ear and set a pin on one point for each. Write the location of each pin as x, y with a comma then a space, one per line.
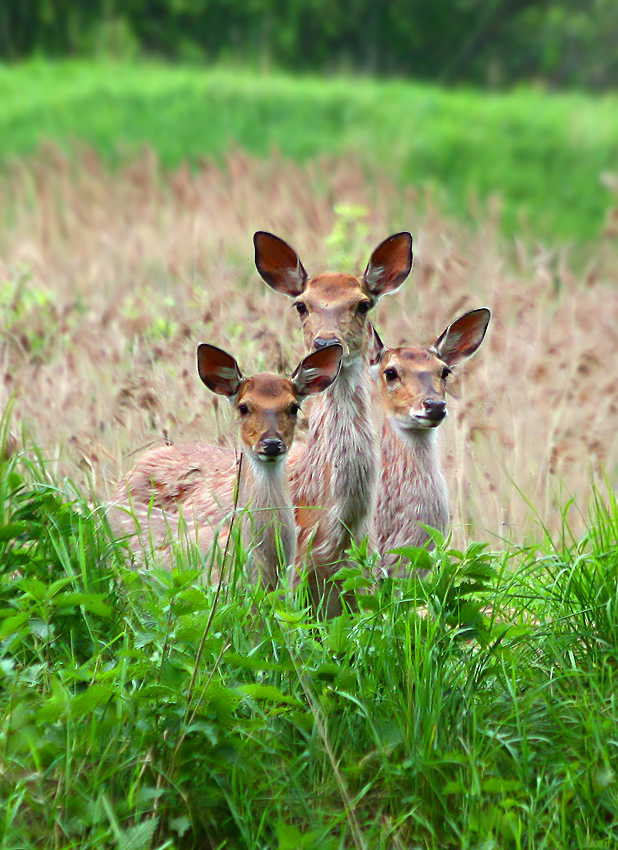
218, 370
463, 337
376, 347
317, 371
390, 264
278, 264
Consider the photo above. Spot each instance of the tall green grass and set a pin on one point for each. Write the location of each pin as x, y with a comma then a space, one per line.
542, 153
474, 709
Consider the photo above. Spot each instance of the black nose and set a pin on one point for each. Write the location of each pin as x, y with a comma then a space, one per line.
320, 342
435, 409
273, 447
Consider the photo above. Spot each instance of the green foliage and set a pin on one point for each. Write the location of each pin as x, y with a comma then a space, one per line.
477, 41
543, 156
472, 708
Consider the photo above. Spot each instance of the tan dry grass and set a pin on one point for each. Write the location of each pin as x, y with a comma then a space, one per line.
126, 273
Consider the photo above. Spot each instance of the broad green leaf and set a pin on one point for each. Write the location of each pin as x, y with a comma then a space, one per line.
420, 559
12, 530
268, 693
137, 837
12, 625
289, 837
189, 601
93, 697
356, 582
255, 662
91, 602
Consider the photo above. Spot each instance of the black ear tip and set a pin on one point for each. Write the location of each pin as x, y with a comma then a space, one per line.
259, 235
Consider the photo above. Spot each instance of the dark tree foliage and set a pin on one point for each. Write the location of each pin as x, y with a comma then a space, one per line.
495, 42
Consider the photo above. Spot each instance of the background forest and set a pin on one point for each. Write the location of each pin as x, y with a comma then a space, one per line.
492, 43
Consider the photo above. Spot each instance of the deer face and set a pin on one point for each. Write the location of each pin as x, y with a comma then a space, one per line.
413, 380
267, 405
267, 408
412, 385
334, 307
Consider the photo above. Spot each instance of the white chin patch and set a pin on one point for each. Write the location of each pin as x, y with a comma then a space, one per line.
269, 458
416, 421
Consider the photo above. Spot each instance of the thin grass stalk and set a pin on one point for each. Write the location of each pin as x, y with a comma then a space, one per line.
189, 715
316, 710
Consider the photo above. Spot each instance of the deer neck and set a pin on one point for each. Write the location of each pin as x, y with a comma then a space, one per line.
269, 526
415, 450
335, 477
412, 489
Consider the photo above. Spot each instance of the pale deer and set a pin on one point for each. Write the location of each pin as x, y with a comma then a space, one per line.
199, 480
412, 385
333, 479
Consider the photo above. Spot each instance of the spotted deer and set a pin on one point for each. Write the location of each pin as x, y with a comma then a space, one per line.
199, 480
412, 385
333, 478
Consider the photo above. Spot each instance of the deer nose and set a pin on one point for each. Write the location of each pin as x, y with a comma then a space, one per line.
435, 409
272, 447
322, 342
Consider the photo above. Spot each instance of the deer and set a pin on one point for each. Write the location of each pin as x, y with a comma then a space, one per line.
199, 481
412, 383
333, 478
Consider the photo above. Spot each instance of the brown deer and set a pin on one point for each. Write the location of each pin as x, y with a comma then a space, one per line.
199, 480
412, 386
333, 478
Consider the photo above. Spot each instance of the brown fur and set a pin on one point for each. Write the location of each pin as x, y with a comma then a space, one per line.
199, 482
411, 395
333, 480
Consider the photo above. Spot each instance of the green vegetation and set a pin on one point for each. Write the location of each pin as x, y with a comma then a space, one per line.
143, 710
567, 42
542, 154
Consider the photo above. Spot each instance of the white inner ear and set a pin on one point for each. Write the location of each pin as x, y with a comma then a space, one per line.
374, 274
228, 373
448, 344
306, 377
298, 275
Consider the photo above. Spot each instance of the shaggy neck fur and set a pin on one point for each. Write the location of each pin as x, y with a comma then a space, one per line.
412, 490
269, 527
333, 481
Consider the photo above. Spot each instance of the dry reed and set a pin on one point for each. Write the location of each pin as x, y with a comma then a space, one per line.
108, 281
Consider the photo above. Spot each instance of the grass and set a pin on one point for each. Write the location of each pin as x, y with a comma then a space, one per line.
143, 709
475, 709
542, 154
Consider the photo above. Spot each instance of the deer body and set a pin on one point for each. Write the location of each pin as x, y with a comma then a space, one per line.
333, 479
200, 481
411, 388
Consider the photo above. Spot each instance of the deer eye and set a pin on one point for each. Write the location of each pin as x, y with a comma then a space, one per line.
364, 307
445, 373
293, 409
390, 374
243, 409
301, 309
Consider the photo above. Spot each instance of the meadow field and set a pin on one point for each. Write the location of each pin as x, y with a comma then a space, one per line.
475, 709
550, 159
